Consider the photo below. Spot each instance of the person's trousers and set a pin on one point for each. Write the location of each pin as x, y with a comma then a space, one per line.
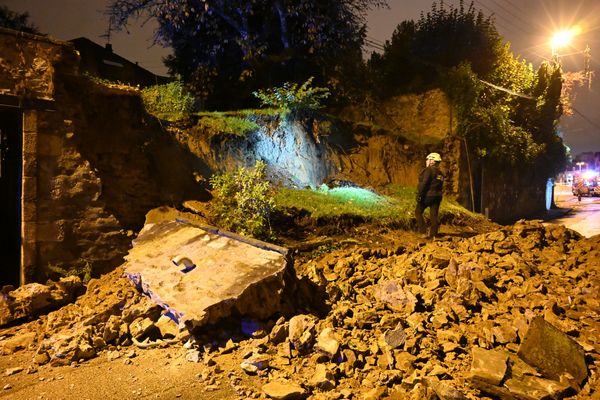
434, 207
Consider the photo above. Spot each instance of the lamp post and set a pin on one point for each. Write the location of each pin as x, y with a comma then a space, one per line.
579, 164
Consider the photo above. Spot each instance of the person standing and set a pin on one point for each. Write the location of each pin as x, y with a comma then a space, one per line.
429, 194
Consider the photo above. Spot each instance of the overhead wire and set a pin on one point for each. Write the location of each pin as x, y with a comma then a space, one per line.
515, 6
586, 118
516, 16
502, 17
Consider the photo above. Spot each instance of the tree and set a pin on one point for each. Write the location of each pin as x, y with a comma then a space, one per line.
420, 54
448, 36
17, 21
226, 46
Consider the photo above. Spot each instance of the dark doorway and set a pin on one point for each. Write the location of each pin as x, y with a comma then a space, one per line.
11, 152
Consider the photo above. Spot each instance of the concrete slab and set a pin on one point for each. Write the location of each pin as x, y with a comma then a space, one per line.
218, 273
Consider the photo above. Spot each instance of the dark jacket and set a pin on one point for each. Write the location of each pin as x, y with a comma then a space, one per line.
431, 183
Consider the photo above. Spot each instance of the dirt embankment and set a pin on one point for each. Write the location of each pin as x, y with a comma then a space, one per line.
379, 318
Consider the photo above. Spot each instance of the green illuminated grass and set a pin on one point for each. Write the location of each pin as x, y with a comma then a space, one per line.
395, 209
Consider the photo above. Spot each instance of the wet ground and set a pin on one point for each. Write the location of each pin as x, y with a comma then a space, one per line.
582, 216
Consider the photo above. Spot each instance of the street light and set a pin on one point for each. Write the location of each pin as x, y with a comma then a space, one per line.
580, 164
562, 39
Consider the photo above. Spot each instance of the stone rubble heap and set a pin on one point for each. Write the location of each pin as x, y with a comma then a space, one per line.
513, 313
510, 314
35, 299
111, 312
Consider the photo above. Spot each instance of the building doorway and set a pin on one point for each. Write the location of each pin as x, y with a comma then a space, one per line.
11, 155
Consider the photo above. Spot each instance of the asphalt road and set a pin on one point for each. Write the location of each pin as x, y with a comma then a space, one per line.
584, 216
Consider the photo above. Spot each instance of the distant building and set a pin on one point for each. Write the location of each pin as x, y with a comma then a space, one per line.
101, 62
590, 160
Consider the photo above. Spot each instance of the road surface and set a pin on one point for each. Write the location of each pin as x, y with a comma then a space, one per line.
585, 215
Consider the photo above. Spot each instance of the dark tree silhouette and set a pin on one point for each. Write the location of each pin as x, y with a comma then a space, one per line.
17, 21
227, 48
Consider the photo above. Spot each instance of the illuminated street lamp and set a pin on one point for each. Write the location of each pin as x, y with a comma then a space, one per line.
580, 164
562, 39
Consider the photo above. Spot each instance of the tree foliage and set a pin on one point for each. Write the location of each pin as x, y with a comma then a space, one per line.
17, 21
293, 97
227, 46
507, 112
420, 54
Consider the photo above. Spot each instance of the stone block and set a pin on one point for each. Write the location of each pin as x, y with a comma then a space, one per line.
534, 388
30, 165
552, 352
30, 121
50, 145
29, 232
53, 231
29, 189
29, 254
29, 212
284, 390
226, 274
30, 142
488, 365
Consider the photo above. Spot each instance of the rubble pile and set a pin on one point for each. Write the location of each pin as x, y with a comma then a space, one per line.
111, 312
509, 314
36, 299
452, 319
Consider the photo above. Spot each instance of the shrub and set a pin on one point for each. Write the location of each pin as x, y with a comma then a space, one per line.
290, 97
168, 101
84, 272
243, 201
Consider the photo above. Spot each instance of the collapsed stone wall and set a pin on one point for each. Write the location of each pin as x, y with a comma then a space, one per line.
453, 319
102, 164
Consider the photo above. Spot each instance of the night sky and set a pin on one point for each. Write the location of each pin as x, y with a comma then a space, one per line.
527, 25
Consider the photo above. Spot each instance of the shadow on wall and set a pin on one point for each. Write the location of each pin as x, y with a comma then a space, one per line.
140, 165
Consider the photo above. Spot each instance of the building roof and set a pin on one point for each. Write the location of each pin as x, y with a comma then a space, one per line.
101, 61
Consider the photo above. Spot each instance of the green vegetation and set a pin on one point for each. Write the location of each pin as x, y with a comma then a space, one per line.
111, 84
219, 123
291, 97
507, 113
169, 101
243, 201
396, 209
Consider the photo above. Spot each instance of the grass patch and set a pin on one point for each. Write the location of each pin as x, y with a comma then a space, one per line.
396, 209
217, 123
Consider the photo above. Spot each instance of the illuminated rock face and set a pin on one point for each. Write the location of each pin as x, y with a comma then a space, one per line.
293, 156
227, 275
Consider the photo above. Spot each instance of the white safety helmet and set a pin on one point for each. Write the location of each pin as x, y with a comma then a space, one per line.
435, 157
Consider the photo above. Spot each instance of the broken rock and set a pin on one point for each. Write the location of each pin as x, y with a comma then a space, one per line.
552, 352
281, 390
488, 366
300, 331
327, 343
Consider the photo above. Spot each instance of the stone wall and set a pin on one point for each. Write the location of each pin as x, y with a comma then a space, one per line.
93, 162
